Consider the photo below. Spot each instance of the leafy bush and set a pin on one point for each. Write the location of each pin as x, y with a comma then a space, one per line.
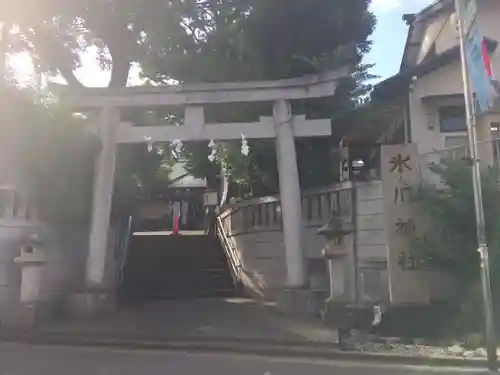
449, 240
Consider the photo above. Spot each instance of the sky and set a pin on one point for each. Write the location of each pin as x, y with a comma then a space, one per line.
390, 34
388, 43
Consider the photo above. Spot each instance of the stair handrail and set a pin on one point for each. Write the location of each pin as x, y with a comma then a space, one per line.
230, 251
124, 248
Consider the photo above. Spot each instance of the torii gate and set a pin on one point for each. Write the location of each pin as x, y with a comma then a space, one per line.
282, 126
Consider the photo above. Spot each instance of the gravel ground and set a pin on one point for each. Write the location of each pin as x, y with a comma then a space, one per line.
420, 350
371, 344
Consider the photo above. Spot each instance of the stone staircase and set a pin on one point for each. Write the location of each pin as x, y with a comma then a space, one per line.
163, 267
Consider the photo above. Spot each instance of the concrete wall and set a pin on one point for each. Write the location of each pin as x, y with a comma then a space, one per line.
256, 231
257, 235
262, 256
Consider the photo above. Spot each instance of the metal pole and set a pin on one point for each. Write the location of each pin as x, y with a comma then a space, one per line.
478, 198
354, 197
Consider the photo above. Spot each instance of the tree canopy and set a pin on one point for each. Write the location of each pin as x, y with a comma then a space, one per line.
55, 32
210, 41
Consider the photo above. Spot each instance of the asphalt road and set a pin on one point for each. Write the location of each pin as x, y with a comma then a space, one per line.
30, 360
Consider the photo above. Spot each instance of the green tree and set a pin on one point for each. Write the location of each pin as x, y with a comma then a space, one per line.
140, 171
212, 41
282, 39
55, 32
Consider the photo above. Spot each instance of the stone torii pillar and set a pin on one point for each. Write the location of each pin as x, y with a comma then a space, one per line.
282, 126
102, 197
291, 204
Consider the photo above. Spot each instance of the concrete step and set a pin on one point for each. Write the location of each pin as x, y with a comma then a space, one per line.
172, 267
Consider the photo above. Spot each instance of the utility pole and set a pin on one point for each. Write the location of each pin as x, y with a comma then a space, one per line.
471, 114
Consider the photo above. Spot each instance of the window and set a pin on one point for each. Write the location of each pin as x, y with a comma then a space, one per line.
495, 128
452, 119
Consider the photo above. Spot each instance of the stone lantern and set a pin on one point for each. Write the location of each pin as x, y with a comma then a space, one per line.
341, 311
337, 231
32, 258
15, 242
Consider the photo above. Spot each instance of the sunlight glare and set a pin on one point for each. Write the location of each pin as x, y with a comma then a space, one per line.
90, 73
22, 67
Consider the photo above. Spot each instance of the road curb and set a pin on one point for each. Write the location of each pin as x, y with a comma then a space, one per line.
264, 348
